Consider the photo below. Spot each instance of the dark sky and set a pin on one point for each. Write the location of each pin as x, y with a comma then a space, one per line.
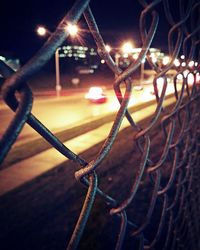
117, 20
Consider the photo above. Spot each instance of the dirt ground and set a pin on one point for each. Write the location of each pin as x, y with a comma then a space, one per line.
42, 214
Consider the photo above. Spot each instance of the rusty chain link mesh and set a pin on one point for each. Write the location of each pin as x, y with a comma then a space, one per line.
175, 175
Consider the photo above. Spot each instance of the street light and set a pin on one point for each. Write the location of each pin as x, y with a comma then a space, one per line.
108, 48
127, 48
166, 60
177, 62
73, 30
42, 31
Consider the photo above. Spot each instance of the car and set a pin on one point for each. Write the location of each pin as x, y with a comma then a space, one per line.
96, 95
84, 70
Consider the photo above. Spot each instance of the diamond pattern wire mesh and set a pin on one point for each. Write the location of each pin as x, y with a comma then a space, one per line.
174, 175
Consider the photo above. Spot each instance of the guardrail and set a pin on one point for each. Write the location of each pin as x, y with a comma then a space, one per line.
179, 192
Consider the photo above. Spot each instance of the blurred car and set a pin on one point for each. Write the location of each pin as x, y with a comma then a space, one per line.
84, 70
96, 95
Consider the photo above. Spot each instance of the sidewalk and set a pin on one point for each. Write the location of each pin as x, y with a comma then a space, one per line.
26, 170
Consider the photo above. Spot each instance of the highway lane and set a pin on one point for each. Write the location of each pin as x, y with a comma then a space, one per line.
66, 111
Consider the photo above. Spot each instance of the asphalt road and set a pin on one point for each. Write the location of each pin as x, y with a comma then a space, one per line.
65, 111
58, 113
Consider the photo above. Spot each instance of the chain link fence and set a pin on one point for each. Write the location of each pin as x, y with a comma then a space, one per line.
178, 188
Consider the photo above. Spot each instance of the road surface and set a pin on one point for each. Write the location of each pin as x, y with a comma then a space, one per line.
58, 113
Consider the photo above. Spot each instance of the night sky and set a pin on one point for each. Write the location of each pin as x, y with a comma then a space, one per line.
117, 21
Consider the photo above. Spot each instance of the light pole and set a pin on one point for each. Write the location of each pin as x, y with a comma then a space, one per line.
57, 67
73, 30
127, 50
117, 56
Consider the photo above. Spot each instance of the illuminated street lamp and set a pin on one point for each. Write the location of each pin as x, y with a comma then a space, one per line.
166, 60
191, 64
108, 48
42, 31
183, 64
127, 48
73, 30
177, 62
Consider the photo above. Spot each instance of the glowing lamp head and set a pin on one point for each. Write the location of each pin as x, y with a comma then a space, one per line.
108, 48
177, 62
41, 31
166, 60
72, 29
127, 48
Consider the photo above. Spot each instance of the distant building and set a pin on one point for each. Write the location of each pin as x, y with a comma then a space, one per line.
85, 60
14, 63
81, 57
124, 59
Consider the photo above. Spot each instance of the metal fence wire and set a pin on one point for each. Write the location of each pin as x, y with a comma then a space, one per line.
178, 223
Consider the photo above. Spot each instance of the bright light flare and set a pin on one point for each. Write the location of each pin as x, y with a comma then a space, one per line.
190, 78
183, 64
166, 60
135, 56
160, 81
94, 93
127, 48
180, 77
108, 48
191, 64
177, 62
125, 55
186, 72
42, 31
198, 78
72, 29
154, 59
